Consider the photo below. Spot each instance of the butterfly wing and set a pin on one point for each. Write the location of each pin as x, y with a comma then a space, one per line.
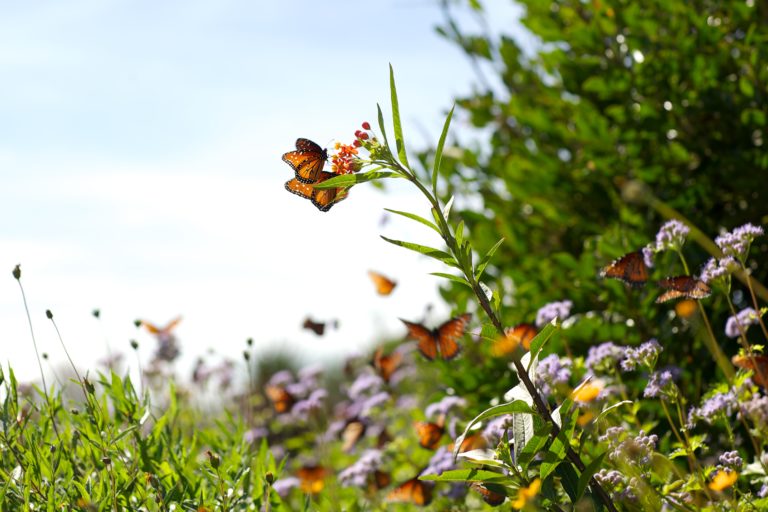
429, 434
353, 431
316, 327
758, 363
683, 286
412, 491
307, 160
294, 186
449, 332
426, 339
493, 497
383, 284
311, 479
630, 268
475, 441
281, 399
325, 198
386, 365
521, 334
380, 480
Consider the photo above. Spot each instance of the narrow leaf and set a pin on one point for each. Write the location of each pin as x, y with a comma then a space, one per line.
586, 475
427, 251
569, 480
451, 277
537, 343
460, 233
487, 258
447, 209
347, 180
605, 411
439, 151
415, 217
399, 142
466, 475
381, 125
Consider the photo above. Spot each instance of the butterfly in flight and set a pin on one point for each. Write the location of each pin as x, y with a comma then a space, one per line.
353, 430
630, 268
430, 433
441, 340
161, 332
414, 491
324, 198
281, 399
312, 478
307, 160
758, 363
474, 441
385, 366
383, 284
521, 334
683, 286
318, 327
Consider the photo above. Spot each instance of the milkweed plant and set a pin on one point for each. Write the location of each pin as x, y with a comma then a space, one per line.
517, 419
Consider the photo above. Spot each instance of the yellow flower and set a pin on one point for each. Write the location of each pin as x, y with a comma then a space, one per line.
723, 479
525, 494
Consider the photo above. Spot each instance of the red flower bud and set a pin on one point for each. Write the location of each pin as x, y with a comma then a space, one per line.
363, 136
356, 143
366, 125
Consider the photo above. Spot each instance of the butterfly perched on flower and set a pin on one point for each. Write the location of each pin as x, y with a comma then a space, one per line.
758, 363
324, 198
383, 284
441, 340
414, 491
385, 366
683, 286
630, 268
430, 433
281, 399
353, 431
307, 160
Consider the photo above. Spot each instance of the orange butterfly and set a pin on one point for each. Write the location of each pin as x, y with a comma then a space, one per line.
383, 284
521, 334
430, 433
379, 480
683, 286
281, 399
442, 338
492, 497
475, 441
307, 160
386, 365
323, 199
758, 363
412, 491
312, 478
161, 332
630, 268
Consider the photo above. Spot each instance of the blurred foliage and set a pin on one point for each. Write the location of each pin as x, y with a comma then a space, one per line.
669, 94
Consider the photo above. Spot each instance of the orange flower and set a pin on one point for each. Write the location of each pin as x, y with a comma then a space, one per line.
345, 160
525, 494
587, 391
723, 479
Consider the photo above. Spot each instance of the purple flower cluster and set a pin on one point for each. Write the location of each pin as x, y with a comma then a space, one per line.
740, 322
357, 474
443, 406
551, 372
717, 406
440, 462
756, 408
622, 447
496, 427
718, 270
736, 243
284, 485
560, 310
731, 460
615, 481
659, 383
644, 355
604, 356
671, 236
365, 383
648, 255
303, 408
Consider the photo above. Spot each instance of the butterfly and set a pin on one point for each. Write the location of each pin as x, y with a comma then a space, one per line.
385, 366
442, 339
324, 198
430, 433
758, 363
379, 480
383, 284
161, 332
521, 334
312, 478
630, 268
307, 160
318, 327
413, 491
683, 286
475, 441
493, 497
353, 431
281, 399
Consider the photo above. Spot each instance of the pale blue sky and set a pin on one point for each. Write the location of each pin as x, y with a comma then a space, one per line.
140, 148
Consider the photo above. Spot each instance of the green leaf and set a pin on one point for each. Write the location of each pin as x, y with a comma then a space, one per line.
381, 125
347, 180
466, 475
427, 251
585, 476
487, 258
605, 411
415, 217
460, 233
516, 406
451, 277
569, 480
537, 343
447, 208
399, 142
439, 151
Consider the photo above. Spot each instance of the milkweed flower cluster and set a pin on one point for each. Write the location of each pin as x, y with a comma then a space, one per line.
548, 312
345, 160
644, 355
740, 322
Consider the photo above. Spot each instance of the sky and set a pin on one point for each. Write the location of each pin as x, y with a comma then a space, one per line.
140, 147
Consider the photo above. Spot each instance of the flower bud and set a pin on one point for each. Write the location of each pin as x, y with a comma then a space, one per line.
48, 314
17, 272
366, 125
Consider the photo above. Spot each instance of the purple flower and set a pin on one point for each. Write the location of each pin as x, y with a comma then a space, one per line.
648, 256
604, 356
255, 433
280, 378
731, 460
374, 401
756, 408
552, 372
440, 462
548, 312
357, 474
366, 383
284, 485
644, 355
624, 447
763, 492
496, 427
740, 322
671, 236
303, 408
444, 405
716, 406
659, 383
609, 477
736, 243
